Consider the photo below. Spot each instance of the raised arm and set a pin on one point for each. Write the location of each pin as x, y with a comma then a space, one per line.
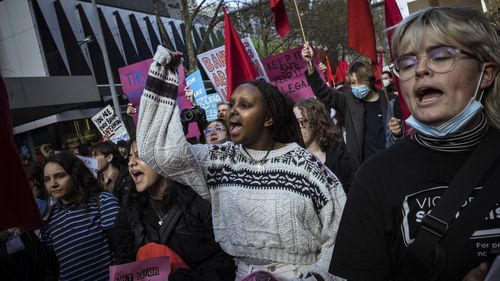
160, 137
331, 98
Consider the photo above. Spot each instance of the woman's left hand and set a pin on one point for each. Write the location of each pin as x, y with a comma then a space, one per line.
477, 274
395, 126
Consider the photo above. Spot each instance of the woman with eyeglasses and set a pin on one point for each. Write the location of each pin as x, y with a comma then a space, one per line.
323, 139
428, 207
216, 132
372, 117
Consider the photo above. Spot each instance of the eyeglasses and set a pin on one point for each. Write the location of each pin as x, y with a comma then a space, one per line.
302, 122
439, 60
215, 130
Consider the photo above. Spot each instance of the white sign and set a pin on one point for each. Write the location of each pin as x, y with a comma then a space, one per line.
214, 64
110, 126
90, 163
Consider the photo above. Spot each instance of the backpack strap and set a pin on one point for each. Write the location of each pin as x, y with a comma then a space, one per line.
426, 259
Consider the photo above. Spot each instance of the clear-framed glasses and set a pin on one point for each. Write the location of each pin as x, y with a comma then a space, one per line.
302, 122
439, 60
214, 130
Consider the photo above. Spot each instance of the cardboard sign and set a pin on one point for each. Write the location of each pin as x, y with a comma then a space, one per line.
155, 269
90, 163
286, 71
110, 126
133, 78
214, 64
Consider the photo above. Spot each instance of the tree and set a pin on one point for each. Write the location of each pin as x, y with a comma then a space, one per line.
493, 12
192, 13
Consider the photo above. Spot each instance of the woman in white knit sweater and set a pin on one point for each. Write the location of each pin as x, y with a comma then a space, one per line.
275, 207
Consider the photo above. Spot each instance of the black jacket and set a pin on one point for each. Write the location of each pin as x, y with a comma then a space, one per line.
191, 237
354, 112
342, 165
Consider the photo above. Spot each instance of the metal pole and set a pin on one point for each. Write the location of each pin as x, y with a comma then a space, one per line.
109, 73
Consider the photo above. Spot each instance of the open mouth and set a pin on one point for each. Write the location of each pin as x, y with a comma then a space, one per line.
428, 95
234, 127
137, 176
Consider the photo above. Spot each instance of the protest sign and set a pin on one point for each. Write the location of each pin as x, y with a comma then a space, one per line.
90, 163
110, 126
286, 71
155, 269
133, 78
214, 64
195, 82
209, 103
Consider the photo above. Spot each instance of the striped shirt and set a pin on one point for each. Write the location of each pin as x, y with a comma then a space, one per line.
77, 235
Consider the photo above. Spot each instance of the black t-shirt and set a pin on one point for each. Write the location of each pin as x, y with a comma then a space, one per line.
374, 137
388, 198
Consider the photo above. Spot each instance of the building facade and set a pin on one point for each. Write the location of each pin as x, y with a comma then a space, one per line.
54, 67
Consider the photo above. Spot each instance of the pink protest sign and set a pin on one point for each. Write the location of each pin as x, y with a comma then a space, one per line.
155, 269
133, 78
286, 71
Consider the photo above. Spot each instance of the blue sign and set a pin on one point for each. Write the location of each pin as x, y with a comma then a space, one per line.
209, 103
195, 82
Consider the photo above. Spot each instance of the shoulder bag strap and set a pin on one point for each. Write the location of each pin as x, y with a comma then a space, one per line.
426, 259
173, 215
472, 216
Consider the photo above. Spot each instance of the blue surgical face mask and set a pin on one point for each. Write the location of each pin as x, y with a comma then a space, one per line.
360, 92
455, 124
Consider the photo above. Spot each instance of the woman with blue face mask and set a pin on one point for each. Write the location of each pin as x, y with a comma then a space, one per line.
393, 228
372, 116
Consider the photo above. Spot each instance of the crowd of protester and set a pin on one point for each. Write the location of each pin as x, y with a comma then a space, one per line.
273, 191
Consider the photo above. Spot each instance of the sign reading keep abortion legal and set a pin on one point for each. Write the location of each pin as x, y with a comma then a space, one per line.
286, 71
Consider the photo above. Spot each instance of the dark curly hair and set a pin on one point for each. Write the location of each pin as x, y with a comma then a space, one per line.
85, 185
285, 128
322, 127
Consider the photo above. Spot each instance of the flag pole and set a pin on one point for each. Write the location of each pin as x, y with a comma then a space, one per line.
301, 27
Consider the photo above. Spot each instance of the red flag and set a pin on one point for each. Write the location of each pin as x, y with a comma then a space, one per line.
341, 73
392, 17
280, 18
361, 31
239, 67
329, 73
17, 203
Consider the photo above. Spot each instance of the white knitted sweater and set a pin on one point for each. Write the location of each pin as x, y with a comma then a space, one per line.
289, 212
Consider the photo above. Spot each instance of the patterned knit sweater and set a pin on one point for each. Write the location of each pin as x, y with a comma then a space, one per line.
287, 212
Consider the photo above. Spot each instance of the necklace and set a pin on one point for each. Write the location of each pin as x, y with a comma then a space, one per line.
258, 163
160, 222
